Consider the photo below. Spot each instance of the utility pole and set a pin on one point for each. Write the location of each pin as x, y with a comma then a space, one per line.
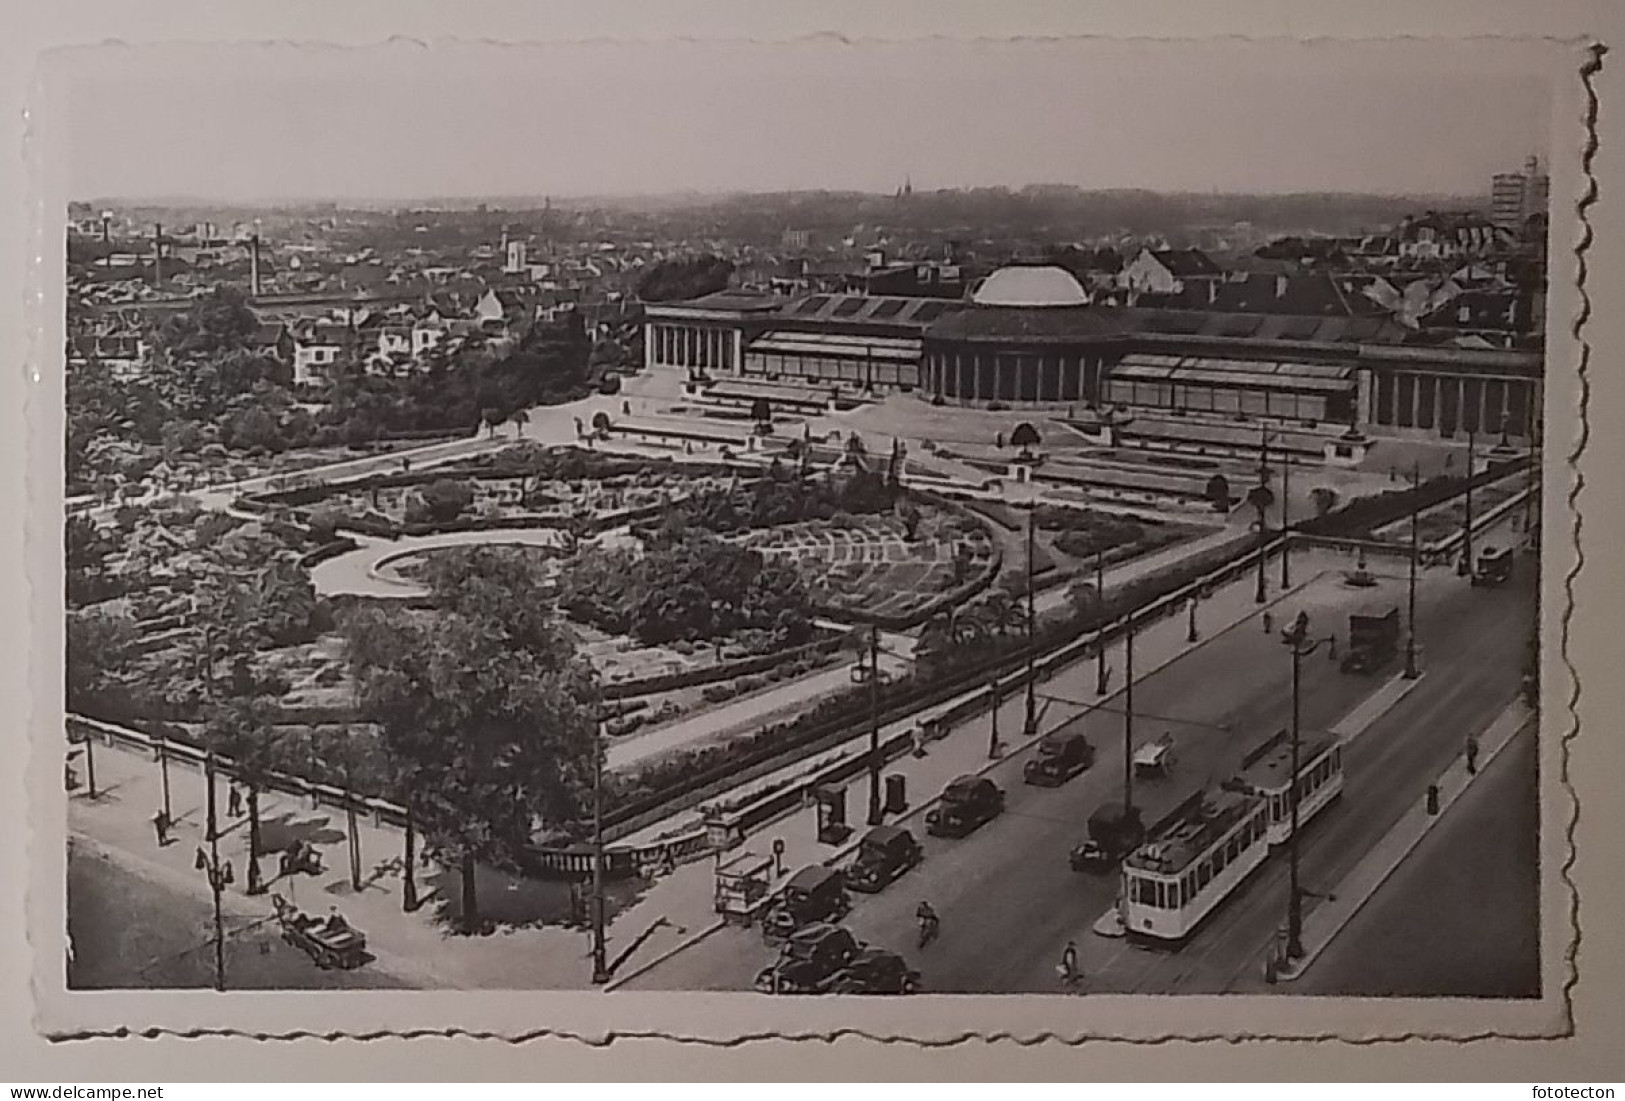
600, 959
163, 771
1030, 725
1286, 524
1465, 566
993, 742
875, 815
1411, 670
216, 879
1101, 673
1296, 638
1128, 719
90, 764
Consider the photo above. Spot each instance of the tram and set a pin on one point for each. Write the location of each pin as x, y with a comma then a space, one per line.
1191, 862
1320, 778
1206, 848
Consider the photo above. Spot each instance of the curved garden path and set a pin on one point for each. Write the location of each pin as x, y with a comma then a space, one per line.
365, 570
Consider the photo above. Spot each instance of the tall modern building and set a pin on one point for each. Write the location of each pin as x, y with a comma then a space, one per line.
1507, 199
1517, 196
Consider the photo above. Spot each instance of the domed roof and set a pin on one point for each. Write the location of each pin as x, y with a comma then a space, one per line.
1031, 285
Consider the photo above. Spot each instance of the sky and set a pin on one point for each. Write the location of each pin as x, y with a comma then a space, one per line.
403, 121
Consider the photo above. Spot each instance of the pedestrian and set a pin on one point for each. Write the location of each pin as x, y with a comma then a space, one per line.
201, 860
1068, 969
1331, 647
160, 826
1472, 754
234, 802
1269, 622
227, 876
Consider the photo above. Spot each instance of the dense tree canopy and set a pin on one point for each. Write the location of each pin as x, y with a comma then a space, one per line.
488, 704
690, 277
686, 585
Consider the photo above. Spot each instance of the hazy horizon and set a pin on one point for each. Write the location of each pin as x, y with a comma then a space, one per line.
402, 124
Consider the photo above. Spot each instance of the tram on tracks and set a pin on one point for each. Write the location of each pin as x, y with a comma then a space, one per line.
1192, 861
1204, 850
1320, 778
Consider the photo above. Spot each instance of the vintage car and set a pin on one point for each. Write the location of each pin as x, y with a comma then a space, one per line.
966, 803
876, 971
814, 894
810, 961
1155, 758
1060, 757
1113, 834
885, 853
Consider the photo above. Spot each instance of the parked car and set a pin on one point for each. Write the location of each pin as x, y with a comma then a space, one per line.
814, 894
967, 803
876, 971
885, 853
1060, 757
810, 961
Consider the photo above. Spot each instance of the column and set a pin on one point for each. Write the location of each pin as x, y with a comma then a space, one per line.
738, 338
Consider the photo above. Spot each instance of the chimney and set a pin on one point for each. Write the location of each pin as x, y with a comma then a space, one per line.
1212, 291
157, 254
254, 266
1280, 286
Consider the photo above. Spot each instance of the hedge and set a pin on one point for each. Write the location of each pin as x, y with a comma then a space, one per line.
741, 667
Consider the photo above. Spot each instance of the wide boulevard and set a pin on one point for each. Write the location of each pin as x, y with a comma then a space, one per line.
1009, 901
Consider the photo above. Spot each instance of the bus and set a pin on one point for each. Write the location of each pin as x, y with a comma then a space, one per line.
1191, 862
1320, 778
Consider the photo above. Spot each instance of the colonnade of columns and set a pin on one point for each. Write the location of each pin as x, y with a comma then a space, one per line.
1452, 404
695, 346
995, 376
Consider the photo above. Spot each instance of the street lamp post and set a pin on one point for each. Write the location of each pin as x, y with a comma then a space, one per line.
875, 815
993, 742
600, 958
1411, 670
1301, 646
1190, 627
217, 879
1465, 566
1101, 672
1286, 523
163, 773
1128, 717
1030, 722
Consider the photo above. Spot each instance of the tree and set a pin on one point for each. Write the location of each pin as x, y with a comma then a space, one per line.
240, 726
601, 423
442, 501
493, 419
1324, 498
1025, 436
100, 648
761, 411
520, 419
909, 513
490, 705
1218, 492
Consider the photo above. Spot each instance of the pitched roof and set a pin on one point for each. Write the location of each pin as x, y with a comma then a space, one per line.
1185, 263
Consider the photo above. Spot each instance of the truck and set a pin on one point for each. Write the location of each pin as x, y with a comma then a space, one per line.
1114, 832
1373, 639
1494, 566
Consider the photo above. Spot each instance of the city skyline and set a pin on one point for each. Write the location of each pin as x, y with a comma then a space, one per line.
638, 121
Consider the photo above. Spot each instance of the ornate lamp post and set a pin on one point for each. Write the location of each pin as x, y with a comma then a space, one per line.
1301, 646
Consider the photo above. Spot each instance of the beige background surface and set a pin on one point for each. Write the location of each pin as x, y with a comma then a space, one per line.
1597, 757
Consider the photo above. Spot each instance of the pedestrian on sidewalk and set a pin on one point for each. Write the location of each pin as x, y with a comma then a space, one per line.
1269, 621
1068, 969
1472, 754
234, 802
160, 826
201, 860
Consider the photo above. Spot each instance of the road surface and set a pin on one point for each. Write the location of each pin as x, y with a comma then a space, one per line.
1007, 898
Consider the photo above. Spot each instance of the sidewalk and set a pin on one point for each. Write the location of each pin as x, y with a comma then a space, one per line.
1324, 922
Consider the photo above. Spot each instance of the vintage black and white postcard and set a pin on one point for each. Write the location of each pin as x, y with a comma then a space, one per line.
918, 539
